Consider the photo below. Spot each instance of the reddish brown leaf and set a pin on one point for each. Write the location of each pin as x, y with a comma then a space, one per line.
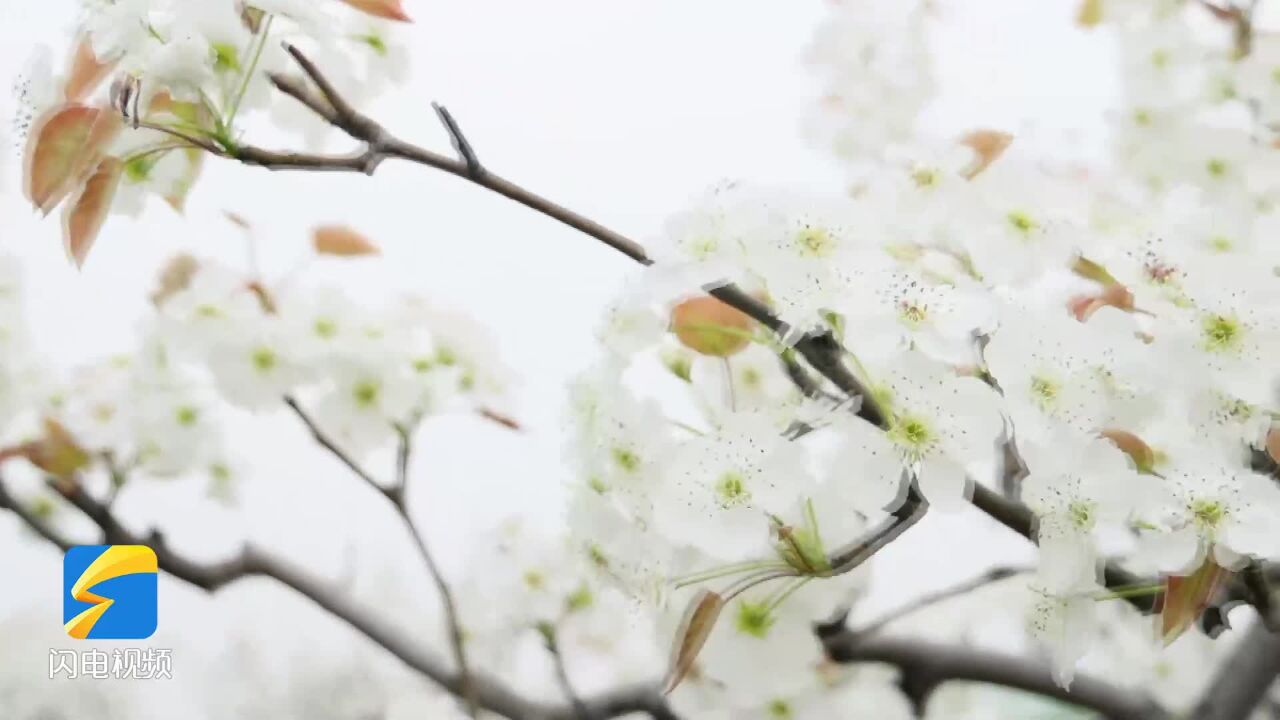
1144, 458
711, 327
82, 219
699, 620
389, 9
174, 277
1273, 444
86, 72
342, 241
1186, 597
988, 145
58, 138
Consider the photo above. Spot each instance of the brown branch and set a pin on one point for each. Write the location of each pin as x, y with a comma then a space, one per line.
395, 495
1241, 683
925, 666
456, 641
552, 641
491, 693
820, 349
328, 444
1019, 518
32, 520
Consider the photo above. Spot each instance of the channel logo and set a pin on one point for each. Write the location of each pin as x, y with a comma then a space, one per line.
109, 592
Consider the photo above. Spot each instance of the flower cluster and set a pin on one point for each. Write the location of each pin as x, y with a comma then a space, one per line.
1111, 333
186, 78
222, 341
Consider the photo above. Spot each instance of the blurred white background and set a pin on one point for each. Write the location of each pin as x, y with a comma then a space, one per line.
621, 110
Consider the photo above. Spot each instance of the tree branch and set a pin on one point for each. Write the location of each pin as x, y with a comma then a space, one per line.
926, 665
395, 495
491, 693
1019, 518
550, 637
820, 350
1242, 682
456, 641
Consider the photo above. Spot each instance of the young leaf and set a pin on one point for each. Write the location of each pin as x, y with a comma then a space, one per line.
86, 72
699, 620
988, 146
1185, 598
82, 219
1144, 458
342, 241
1273, 444
64, 146
389, 9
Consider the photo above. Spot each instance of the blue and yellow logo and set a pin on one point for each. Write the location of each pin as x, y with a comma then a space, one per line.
109, 592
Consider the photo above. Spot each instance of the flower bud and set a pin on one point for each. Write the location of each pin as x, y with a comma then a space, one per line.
711, 327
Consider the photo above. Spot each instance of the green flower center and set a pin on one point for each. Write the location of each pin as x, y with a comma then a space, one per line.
579, 599
264, 359
913, 434
187, 416
225, 57
1044, 391
1217, 167
780, 710
1081, 514
924, 177
754, 619
1208, 513
375, 43
1221, 333
815, 242
1022, 222
703, 247
732, 490
325, 328
911, 314
626, 459
366, 393
597, 556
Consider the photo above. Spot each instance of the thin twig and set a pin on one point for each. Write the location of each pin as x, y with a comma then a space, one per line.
562, 674
329, 444
456, 640
991, 576
460, 144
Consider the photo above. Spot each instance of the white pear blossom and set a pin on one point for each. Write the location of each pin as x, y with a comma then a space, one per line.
718, 489
1076, 485
938, 423
1214, 506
